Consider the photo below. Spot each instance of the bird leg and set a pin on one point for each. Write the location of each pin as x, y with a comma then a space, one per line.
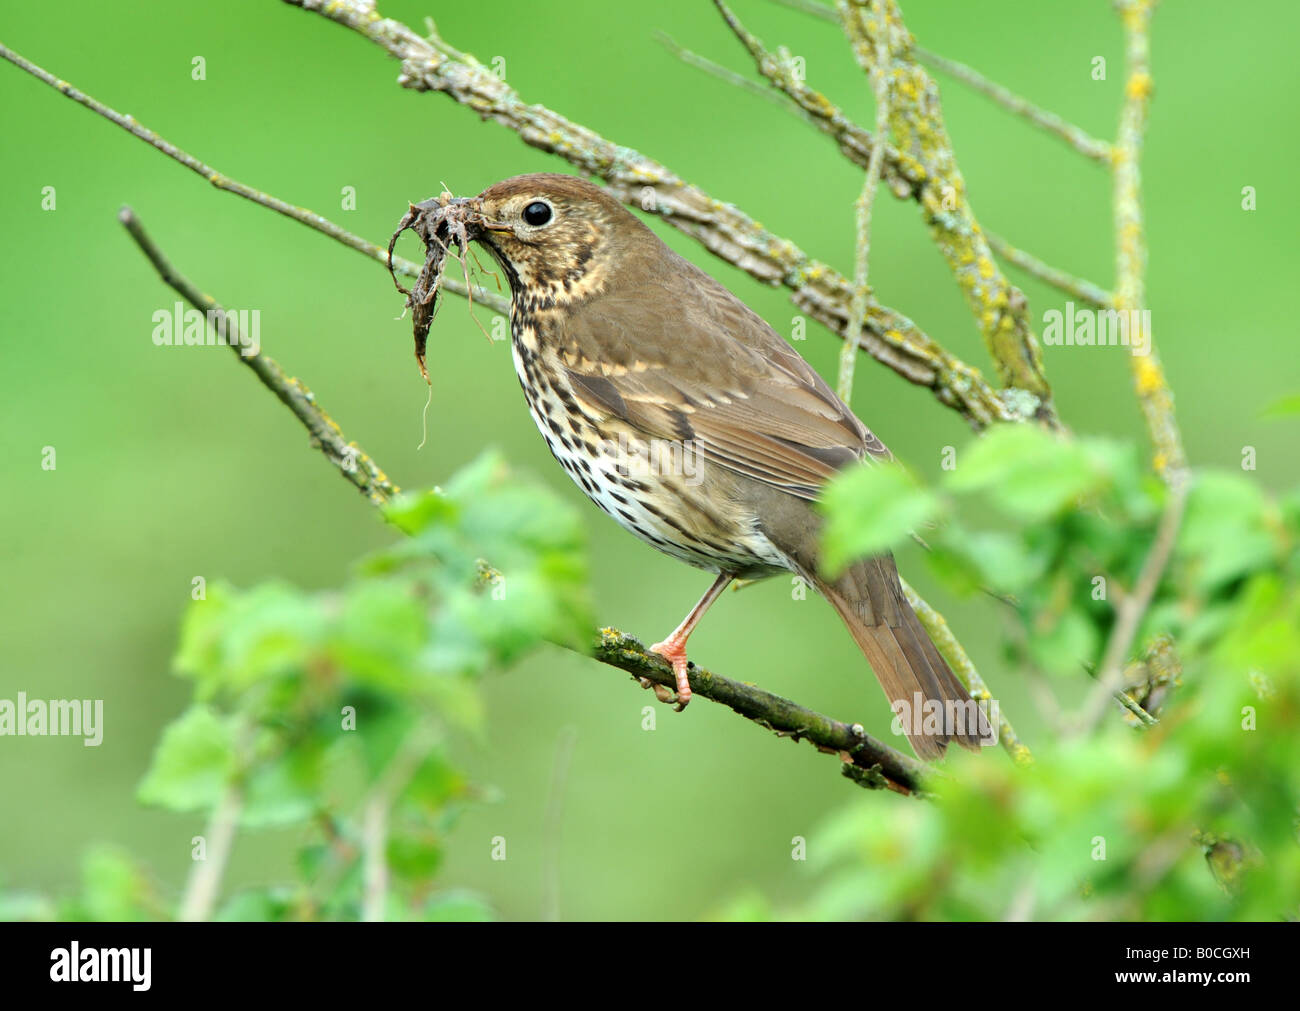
673, 649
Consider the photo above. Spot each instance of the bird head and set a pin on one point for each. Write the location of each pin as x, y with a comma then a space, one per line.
558, 238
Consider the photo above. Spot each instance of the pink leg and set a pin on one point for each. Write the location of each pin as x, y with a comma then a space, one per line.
673, 649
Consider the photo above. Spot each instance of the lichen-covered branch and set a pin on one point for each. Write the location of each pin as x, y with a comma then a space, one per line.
1153, 393
326, 436
725, 231
916, 124
868, 761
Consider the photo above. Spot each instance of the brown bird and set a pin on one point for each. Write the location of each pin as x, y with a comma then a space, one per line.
683, 415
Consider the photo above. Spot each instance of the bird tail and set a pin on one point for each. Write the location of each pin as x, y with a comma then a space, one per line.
928, 700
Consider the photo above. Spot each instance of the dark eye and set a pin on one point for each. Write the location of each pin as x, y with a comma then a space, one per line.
537, 213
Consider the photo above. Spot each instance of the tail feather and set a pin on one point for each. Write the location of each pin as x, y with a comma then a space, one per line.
934, 706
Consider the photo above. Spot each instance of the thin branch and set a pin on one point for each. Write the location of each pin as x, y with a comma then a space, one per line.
1085, 291
1130, 611
881, 764
378, 807
1089, 146
1154, 396
204, 882
694, 59
326, 436
866, 201
877, 764
725, 231
224, 182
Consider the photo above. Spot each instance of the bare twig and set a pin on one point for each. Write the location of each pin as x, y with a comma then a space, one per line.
351, 462
1089, 147
1130, 611
1154, 396
378, 806
1085, 291
866, 201
204, 882
224, 182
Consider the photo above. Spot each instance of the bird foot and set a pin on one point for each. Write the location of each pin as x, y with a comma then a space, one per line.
662, 693
674, 651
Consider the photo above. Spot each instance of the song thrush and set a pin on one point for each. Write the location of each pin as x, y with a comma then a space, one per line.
683, 415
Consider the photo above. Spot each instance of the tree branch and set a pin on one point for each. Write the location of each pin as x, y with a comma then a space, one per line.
1133, 606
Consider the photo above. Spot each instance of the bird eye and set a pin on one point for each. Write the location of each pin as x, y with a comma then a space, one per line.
537, 213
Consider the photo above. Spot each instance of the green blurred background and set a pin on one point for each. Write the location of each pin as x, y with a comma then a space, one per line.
174, 463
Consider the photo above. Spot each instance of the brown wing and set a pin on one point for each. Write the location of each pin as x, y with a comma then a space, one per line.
702, 367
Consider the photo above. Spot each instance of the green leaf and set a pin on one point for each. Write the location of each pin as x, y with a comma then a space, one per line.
193, 763
457, 907
1225, 531
1030, 474
114, 888
258, 905
379, 635
1062, 648
284, 790
869, 509
1283, 407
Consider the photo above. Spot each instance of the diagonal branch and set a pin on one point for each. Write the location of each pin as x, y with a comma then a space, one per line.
867, 761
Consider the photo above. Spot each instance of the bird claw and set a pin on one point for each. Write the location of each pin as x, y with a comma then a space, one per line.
675, 653
662, 693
